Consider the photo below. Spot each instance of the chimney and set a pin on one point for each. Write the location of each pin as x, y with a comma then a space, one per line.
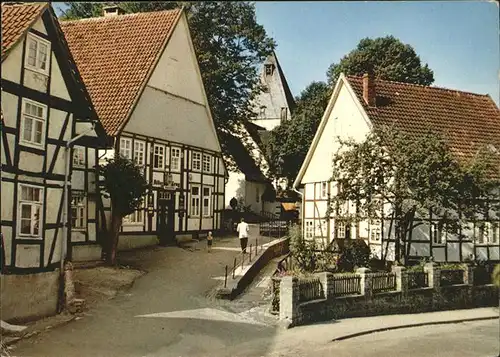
369, 94
112, 10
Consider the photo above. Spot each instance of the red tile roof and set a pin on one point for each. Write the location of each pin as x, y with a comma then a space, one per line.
469, 121
115, 56
16, 20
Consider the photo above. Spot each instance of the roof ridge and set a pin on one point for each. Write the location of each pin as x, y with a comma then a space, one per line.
118, 17
424, 86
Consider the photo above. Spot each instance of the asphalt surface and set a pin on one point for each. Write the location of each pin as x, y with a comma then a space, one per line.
468, 339
170, 312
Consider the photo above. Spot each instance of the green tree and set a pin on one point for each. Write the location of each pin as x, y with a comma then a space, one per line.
229, 46
125, 185
387, 57
288, 143
402, 177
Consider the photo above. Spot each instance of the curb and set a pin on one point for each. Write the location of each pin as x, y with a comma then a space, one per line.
382, 329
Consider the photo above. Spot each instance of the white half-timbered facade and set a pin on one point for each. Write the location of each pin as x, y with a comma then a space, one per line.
359, 104
149, 95
44, 107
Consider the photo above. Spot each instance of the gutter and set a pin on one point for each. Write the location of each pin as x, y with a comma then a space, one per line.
67, 153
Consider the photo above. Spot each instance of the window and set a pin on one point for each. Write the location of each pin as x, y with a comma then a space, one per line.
176, 159
324, 189
342, 208
495, 233
30, 206
159, 157
262, 113
136, 217
269, 69
79, 157
207, 200
195, 201
37, 54
196, 161
484, 233
340, 187
309, 229
257, 194
126, 148
375, 231
320, 229
78, 211
340, 229
139, 149
439, 234
207, 163
283, 113
33, 124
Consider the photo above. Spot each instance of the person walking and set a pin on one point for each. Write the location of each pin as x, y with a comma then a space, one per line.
242, 230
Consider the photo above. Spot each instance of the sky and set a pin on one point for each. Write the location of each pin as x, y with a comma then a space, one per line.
459, 40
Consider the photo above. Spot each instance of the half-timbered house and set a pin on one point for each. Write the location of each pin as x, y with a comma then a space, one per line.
47, 115
144, 80
357, 105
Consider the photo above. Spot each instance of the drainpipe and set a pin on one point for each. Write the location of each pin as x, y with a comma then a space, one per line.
65, 201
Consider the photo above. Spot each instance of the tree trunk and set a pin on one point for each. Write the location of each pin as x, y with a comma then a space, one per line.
116, 223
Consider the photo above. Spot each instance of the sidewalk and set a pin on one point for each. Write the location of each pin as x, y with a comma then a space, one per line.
337, 330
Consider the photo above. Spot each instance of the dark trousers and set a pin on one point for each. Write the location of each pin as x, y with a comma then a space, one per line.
243, 243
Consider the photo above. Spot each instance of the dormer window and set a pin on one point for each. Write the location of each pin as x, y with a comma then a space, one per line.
269, 69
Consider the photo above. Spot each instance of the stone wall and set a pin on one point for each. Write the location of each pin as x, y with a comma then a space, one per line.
29, 296
398, 300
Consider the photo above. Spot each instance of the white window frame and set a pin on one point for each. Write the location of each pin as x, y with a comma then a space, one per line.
156, 153
79, 156
33, 204
126, 148
340, 227
36, 67
194, 201
375, 232
79, 204
324, 189
175, 152
34, 118
439, 232
207, 163
139, 152
136, 218
320, 229
196, 161
207, 199
309, 229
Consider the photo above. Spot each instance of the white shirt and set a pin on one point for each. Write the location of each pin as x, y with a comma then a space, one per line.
243, 229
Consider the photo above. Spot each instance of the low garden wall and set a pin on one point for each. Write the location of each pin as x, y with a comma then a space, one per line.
333, 296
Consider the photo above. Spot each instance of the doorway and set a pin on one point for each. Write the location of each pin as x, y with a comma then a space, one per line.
165, 218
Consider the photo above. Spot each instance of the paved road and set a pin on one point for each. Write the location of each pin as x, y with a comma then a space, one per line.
169, 312
469, 339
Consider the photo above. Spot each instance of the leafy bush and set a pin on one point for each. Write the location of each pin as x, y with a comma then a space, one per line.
307, 255
354, 254
303, 251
